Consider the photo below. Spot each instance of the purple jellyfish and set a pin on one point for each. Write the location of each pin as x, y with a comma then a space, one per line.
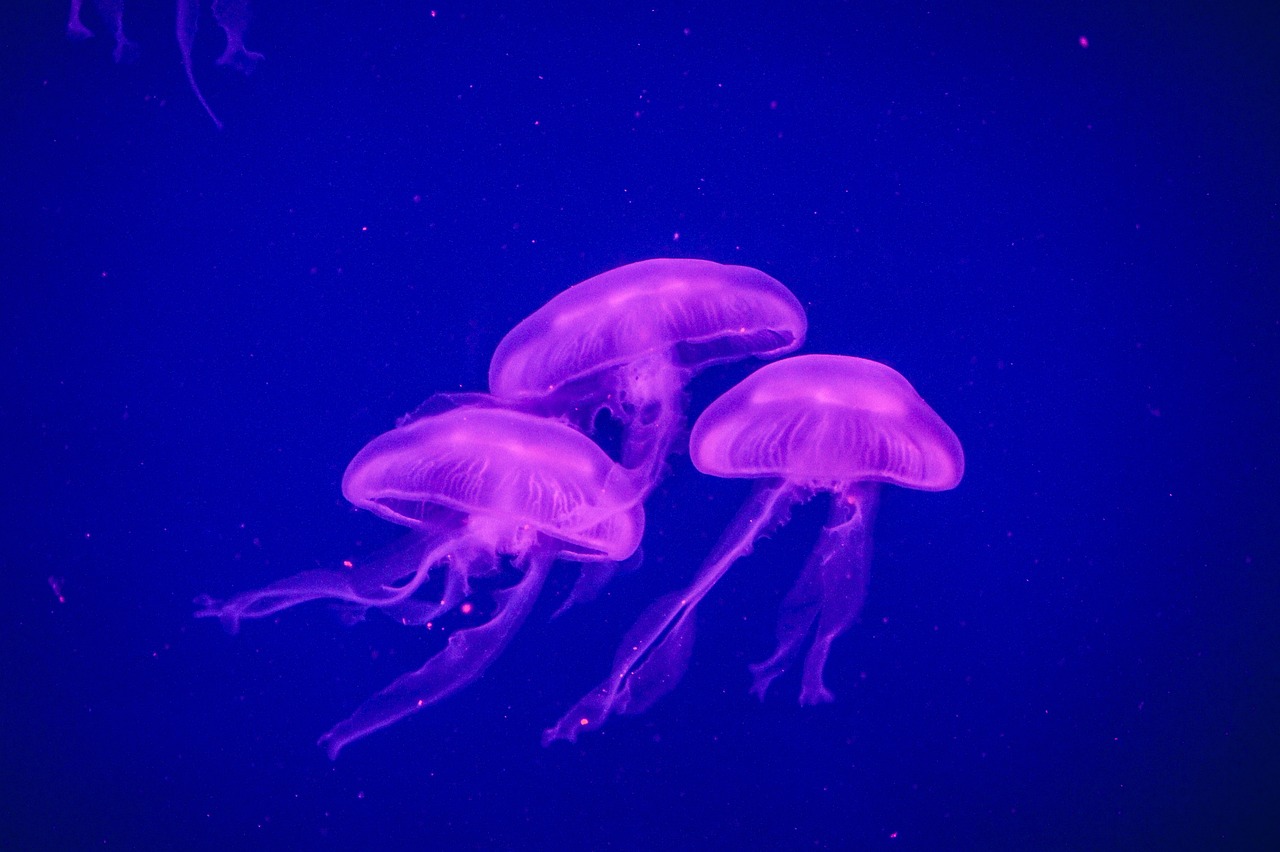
475, 485
814, 423
231, 15
628, 341
112, 14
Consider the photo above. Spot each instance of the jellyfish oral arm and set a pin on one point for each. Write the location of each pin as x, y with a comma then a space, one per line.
188, 19
463, 660
112, 13
368, 586
655, 652
233, 17
592, 577
831, 590
75, 27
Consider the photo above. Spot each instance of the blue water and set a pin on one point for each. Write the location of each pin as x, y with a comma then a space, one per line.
1059, 225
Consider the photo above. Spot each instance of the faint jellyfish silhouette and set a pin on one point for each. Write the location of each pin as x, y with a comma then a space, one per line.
628, 340
809, 424
231, 15
476, 485
112, 14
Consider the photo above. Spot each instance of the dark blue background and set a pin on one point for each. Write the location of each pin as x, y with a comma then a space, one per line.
1071, 253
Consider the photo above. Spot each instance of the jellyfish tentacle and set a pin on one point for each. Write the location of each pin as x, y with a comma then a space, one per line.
233, 17
799, 610
454, 552
112, 13
656, 650
419, 612
465, 658
845, 546
592, 577
188, 22
830, 590
332, 585
650, 661
75, 26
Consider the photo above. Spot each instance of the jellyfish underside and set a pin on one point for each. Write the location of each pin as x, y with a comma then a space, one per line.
824, 601
388, 584
463, 660
647, 396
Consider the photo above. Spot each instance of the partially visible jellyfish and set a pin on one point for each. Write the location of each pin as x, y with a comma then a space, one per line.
478, 486
112, 14
629, 340
804, 425
231, 15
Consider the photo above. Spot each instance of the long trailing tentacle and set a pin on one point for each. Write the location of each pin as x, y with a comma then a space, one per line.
655, 652
463, 660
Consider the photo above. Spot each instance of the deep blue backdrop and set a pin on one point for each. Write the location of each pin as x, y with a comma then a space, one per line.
1070, 250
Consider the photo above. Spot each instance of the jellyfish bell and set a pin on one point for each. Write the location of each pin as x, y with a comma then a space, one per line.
477, 485
500, 472
691, 313
628, 341
825, 421
800, 426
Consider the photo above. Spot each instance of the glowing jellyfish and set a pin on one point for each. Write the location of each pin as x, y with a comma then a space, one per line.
804, 425
231, 15
478, 486
628, 340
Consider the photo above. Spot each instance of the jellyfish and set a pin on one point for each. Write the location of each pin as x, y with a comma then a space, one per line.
629, 340
112, 14
478, 486
231, 15
804, 425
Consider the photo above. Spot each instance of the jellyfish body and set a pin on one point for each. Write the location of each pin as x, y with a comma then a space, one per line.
476, 485
804, 425
628, 340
